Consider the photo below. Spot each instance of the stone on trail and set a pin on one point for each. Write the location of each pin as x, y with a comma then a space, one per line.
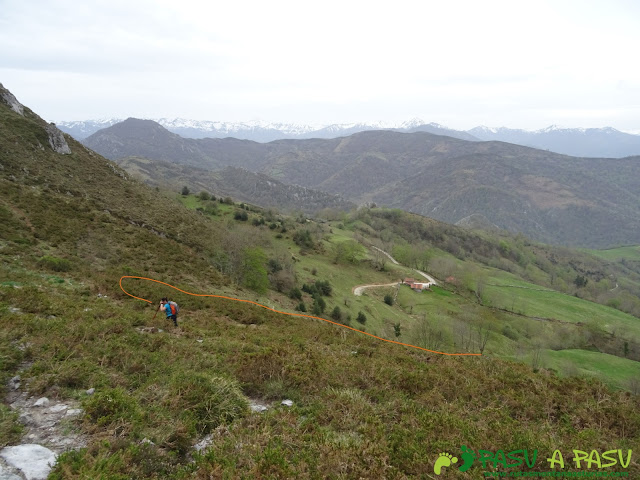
61, 407
41, 402
34, 461
14, 383
6, 475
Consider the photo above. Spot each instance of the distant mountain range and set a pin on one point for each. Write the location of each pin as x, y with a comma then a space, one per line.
591, 202
237, 183
263, 132
580, 142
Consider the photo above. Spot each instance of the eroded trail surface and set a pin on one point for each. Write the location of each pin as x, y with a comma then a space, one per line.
50, 428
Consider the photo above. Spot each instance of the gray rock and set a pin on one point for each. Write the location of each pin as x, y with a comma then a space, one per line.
91, 391
14, 383
24, 418
61, 407
7, 475
34, 461
8, 98
287, 403
72, 412
57, 140
42, 402
258, 408
204, 443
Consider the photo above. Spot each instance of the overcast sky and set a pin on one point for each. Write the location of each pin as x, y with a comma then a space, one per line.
522, 64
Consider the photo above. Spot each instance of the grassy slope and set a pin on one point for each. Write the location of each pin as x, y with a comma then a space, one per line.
535, 301
608, 368
630, 253
447, 313
383, 411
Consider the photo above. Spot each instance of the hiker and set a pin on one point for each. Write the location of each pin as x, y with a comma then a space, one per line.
171, 309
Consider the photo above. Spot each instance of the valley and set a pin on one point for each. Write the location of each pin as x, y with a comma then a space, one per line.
551, 198
559, 343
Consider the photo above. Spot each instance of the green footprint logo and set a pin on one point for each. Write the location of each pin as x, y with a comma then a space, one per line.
468, 457
444, 460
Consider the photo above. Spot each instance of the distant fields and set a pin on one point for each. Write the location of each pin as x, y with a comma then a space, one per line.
613, 254
444, 318
607, 368
536, 301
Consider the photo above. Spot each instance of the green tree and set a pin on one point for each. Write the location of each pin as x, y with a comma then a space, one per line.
396, 329
319, 304
303, 239
185, 191
204, 196
324, 287
241, 215
295, 293
581, 281
254, 270
361, 318
347, 252
336, 314
388, 299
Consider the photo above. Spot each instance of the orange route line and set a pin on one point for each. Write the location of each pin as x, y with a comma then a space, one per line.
285, 313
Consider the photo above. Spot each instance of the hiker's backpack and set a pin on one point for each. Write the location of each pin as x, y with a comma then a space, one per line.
174, 308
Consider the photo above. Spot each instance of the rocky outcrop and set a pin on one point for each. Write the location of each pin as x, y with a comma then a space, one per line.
56, 137
57, 140
7, 97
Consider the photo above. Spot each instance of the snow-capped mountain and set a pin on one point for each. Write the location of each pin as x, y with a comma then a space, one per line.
83, 128
579, 142
261, 131
206, 128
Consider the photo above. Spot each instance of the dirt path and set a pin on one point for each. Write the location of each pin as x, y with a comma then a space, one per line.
432, 281
393, 260
359, 290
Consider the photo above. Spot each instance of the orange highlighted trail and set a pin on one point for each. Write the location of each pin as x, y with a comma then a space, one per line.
285, 313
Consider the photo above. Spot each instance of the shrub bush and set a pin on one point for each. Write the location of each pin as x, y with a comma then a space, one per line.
110, 406
209, 400
55, 264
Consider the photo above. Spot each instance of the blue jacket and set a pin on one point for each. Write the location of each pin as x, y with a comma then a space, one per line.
167, 309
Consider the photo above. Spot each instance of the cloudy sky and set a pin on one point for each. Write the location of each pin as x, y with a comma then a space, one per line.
524, 64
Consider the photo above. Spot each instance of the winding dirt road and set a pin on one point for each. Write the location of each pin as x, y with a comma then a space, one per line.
359, 290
